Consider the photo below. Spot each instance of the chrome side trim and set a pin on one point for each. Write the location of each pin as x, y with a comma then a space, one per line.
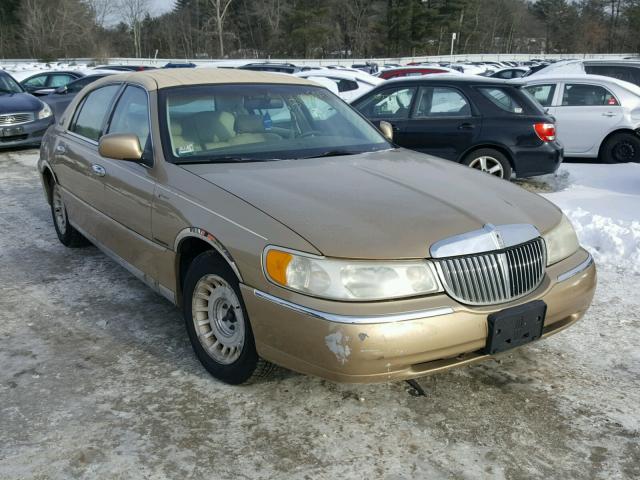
187, 199
576, 270
354, 319
486, 239
211, 240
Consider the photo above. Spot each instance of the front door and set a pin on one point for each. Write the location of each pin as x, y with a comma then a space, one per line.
441, 123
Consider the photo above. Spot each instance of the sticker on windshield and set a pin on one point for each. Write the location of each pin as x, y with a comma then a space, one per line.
186, 149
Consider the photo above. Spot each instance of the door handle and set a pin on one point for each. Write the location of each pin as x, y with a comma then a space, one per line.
466, 126
98, 170
60, 150
609, 114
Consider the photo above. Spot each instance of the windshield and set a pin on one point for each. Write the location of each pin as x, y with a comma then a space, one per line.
9, 85
212, 123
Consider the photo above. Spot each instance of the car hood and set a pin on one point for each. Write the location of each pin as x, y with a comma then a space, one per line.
19, 102
389, 204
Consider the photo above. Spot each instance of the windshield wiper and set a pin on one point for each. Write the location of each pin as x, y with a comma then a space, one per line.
333, 153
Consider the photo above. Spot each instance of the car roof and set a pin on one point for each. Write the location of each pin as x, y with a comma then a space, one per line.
456, 79
585, 77
164, 78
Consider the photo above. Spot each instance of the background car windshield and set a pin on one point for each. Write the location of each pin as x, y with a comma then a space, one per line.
205, 123
9, 85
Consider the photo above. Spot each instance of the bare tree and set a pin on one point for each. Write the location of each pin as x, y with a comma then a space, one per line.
102, 10
132, 12
220, 8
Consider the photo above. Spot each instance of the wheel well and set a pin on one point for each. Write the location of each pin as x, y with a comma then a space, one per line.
615, 132
500, 149
187, 251
47, 176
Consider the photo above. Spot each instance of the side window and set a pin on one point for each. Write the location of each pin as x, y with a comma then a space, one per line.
92, 112
345, 85
390, 103
441, 102
318, 108
36, 82
503, 99
542, 93
75, 87
131, 115
58, 80
583, 95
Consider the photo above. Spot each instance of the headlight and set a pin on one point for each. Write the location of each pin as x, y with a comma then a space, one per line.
349, 279
561, 241
45, 112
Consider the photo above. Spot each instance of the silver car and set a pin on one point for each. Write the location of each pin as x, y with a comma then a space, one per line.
596, 116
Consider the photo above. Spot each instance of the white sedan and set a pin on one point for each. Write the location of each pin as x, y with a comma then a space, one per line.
350, 83
596, 116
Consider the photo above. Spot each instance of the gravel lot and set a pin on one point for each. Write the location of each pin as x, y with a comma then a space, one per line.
98, 380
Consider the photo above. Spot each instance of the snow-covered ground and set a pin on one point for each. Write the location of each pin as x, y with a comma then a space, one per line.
603, 203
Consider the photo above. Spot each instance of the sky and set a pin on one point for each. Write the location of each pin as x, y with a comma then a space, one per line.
158, 7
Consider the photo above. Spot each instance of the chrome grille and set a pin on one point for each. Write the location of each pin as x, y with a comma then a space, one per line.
16, 118
494, 277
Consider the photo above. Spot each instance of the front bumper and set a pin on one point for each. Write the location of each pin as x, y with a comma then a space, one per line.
28, 134
372, 342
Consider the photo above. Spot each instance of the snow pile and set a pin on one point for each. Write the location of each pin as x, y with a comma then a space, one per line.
603, 203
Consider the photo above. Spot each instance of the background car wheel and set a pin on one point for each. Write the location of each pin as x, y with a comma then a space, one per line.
218, 324
67, 235
621, 147
489, 161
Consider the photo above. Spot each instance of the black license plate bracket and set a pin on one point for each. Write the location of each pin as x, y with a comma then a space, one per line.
11, 131
515, 326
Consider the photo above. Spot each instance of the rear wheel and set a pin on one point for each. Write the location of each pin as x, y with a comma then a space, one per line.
489, 161
621, 148
218, 324
67, 235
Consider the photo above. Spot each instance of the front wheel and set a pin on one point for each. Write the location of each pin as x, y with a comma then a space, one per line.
621, 148
217, 322
489, 161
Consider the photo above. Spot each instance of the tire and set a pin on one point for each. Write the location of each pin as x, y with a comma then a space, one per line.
218, 324
621, 148
67, 235
490, 161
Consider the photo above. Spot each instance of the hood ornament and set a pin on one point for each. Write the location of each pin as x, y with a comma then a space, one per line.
488, 238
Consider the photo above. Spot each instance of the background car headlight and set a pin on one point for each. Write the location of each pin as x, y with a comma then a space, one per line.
561, 242
350, 279
45, 112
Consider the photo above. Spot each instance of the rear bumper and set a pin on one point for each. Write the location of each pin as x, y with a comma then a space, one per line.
359, 343
30, 134
540, 160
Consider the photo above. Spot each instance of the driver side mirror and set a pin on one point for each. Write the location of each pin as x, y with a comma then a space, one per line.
120, 146
61, 90
387, 130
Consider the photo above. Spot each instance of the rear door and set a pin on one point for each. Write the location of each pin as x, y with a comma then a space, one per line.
586, 113
441, 123
76, 156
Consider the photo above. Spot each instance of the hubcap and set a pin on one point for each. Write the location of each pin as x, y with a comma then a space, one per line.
59, 212
218, 319
488, 165
624, 152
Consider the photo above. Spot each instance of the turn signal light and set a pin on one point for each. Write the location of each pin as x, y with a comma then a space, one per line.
545, 131
276, 264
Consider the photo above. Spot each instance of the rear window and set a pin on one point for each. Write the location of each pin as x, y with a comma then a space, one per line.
503, 99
